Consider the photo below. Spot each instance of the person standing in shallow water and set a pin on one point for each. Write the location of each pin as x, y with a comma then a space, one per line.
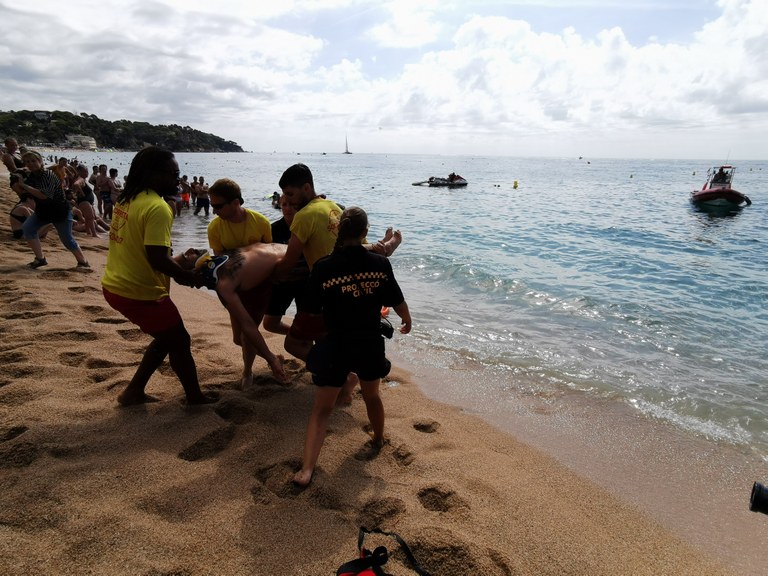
349, 288
136, 279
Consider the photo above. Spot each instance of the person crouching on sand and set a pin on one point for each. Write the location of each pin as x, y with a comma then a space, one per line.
349, 288
136, 279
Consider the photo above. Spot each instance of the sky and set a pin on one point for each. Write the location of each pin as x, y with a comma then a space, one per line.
592, 78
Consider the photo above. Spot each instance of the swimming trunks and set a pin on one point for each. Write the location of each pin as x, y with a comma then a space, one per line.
255, 300
151, 316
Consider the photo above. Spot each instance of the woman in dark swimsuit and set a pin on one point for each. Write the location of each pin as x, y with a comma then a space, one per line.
23, 209
85, 198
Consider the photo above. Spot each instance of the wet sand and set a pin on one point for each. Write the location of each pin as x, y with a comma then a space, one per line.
87, 486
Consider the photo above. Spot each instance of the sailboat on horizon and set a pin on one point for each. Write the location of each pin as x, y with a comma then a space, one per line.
346, 146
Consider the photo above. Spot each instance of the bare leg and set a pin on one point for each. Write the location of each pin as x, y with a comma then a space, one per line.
37, 248
375, 408
90, 219
249, 355
174, 343
80, 257
345, 398
298, 348
276, 325
153, 358
258, 346
325, 400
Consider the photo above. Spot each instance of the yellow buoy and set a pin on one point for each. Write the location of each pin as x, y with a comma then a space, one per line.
514, 185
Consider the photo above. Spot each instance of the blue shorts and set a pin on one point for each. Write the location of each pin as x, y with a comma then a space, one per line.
63, 227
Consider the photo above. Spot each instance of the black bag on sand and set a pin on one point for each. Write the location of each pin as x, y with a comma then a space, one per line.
370, 563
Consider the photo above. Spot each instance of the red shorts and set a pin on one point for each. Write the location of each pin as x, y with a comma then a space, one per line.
152, 316
307, 326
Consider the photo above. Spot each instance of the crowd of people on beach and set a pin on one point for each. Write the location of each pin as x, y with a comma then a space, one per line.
316, 255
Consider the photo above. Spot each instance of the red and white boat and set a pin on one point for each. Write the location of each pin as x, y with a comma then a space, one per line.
717, 189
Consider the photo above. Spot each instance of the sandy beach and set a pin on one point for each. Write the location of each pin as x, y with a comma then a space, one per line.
89, 487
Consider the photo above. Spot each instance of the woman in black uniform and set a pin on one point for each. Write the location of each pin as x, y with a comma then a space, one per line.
349, 288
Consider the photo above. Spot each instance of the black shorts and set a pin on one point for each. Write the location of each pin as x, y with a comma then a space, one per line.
330, 361
283, 293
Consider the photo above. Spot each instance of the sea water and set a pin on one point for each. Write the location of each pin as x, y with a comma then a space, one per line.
588, 276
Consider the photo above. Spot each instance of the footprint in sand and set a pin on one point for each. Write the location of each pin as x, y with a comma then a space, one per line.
426, 426
19, 395
236, 410
276, 479
109, 320
73, 359
30, 314
440, 551
96, 363
130, 334
24, 305
74, 335
12, 357
18, 455
380, 511
12, 432
56, 275
441, 498
81, 289
23, 370
209, 445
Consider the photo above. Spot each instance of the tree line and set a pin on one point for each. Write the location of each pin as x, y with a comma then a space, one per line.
37, 128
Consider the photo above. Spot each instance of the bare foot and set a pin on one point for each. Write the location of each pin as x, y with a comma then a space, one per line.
369, 450
131, 398
245, 382
387, 235
303, 477
394, 242
278, 370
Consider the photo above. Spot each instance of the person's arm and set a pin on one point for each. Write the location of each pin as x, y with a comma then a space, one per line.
405, 316
161, 260
287, 262
226, 290
50, 184
9, 163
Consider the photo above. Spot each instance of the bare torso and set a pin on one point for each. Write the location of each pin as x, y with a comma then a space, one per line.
257, 266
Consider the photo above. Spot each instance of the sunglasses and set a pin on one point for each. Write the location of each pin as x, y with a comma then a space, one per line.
218, 205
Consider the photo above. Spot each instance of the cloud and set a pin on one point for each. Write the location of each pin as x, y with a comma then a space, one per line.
418, 76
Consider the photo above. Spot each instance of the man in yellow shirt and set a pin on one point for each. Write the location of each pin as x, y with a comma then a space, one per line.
314, 231
136, 280
236, 227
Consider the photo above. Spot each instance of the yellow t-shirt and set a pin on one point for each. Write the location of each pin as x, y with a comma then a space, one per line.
144, 221
317, 226
224, 235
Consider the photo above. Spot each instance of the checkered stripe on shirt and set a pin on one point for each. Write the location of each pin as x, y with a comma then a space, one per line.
354, 277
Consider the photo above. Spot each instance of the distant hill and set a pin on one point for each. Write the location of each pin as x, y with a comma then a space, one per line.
39, 128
